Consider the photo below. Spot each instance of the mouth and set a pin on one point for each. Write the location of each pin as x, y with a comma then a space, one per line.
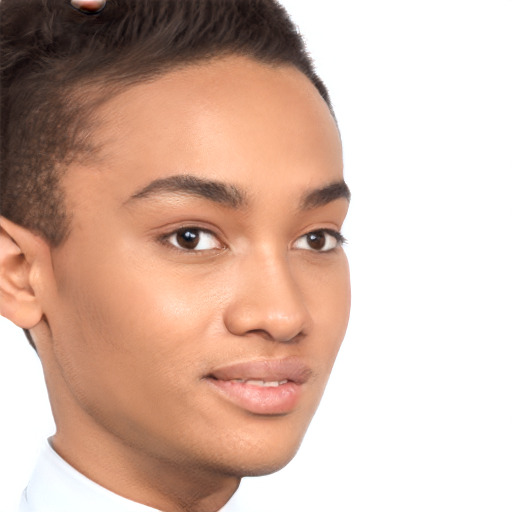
262, 387
262, 383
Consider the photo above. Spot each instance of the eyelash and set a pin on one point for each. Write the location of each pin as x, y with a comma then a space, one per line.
166, 239
340, 239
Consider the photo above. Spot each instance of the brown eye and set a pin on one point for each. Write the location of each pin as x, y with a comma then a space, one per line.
188, 238
316, 240
323, 240
194, 239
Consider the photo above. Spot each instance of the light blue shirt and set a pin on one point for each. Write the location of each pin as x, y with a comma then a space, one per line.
55, 486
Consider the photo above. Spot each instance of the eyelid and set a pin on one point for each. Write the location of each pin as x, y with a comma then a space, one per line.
166, 239
339, 238
336, 234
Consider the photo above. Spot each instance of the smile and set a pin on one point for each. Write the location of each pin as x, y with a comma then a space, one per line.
265, 387
263, 383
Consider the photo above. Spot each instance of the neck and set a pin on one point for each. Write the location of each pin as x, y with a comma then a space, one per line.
169, 486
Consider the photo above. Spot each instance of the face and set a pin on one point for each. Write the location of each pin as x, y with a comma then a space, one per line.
201, 298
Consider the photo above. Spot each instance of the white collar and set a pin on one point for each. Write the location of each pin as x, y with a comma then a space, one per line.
55, 486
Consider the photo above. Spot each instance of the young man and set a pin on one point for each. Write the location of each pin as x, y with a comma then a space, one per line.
172, 198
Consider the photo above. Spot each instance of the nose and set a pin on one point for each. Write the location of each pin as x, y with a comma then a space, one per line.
267, 302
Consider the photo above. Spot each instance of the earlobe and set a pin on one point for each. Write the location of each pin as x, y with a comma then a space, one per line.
18, 250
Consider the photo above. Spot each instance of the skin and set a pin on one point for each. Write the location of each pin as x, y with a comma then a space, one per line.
127, 325
89, 6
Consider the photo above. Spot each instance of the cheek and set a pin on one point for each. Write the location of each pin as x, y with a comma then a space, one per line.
329, 299
126, 294
125, 317
129, 338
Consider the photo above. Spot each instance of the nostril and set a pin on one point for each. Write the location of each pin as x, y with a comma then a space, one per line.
262, 333
275, 335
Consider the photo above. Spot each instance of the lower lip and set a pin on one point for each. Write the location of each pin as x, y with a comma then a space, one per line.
259, 399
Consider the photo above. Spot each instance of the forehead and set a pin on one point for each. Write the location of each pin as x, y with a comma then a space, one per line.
230, 119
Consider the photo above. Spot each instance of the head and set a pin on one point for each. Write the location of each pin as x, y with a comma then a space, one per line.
171, 198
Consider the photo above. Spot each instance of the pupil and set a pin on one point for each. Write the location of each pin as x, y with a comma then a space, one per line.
188, 238
316, 240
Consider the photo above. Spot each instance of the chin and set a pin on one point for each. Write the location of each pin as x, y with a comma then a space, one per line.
260, 455
257, 466
264, 467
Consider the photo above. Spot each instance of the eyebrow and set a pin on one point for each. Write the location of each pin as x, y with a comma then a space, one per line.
325, 195
216, 191
230, 195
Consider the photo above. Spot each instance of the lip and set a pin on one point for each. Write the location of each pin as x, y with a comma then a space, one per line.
233, 382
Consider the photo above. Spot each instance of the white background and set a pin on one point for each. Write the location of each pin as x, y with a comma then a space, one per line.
418, 413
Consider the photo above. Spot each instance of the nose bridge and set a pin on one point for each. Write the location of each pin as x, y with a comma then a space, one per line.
268, 299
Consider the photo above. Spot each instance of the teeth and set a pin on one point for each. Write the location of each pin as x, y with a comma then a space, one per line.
262, 383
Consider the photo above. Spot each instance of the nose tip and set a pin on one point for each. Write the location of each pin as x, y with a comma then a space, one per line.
279, 327
270, 306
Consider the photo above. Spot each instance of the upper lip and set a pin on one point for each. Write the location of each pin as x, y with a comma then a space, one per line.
291, 369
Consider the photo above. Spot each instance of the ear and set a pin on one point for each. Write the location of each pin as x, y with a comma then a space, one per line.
19, 254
